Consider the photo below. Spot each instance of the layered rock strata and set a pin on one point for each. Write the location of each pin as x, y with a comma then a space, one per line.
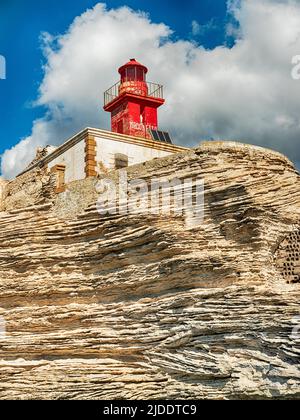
139, 306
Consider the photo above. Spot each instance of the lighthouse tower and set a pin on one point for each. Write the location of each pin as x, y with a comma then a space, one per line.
134, 137
133, 102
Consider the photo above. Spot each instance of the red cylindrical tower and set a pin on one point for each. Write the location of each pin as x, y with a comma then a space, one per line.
133, 78
133, 102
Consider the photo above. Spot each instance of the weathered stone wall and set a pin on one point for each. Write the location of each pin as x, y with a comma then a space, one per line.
108, 148
33, 188
74, 160
76, 198
139, 307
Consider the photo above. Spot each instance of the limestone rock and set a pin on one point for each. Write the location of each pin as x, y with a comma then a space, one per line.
41, 153
139, 307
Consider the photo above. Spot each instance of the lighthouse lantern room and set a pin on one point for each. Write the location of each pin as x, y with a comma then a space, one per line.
133, 102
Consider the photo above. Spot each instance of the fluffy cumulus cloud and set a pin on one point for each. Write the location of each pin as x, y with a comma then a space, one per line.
245, 92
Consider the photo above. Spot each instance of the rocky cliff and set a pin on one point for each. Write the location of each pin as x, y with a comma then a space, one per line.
139, 307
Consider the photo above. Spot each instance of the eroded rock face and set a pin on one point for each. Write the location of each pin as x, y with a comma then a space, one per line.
41, 153
33, 188
140, 307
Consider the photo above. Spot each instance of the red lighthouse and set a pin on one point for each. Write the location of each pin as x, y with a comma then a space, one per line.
133, 102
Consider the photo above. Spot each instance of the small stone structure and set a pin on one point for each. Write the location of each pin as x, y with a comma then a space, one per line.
288, 257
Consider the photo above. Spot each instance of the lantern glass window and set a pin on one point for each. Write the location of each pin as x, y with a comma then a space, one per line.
131, 74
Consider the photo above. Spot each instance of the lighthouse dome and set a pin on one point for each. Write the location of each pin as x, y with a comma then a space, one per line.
133, 63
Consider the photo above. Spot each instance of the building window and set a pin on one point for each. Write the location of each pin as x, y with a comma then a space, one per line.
131, 74
121, 161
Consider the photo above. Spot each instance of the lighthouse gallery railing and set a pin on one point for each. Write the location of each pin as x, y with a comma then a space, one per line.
154, 90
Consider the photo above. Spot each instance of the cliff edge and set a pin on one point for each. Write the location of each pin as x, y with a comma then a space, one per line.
138, 306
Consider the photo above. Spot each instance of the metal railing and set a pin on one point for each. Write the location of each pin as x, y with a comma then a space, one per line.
154, 90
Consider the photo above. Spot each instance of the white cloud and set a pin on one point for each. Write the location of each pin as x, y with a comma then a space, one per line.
245, 93
196, 28
199, 30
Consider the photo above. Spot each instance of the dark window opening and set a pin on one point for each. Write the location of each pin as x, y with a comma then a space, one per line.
121, 161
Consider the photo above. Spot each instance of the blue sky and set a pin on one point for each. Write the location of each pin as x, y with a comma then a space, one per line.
24, 58
236, 86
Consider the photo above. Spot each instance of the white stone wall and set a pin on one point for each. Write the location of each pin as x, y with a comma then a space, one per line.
74, 159
107, 149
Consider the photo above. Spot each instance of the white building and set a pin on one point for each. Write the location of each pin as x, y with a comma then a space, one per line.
94, 151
